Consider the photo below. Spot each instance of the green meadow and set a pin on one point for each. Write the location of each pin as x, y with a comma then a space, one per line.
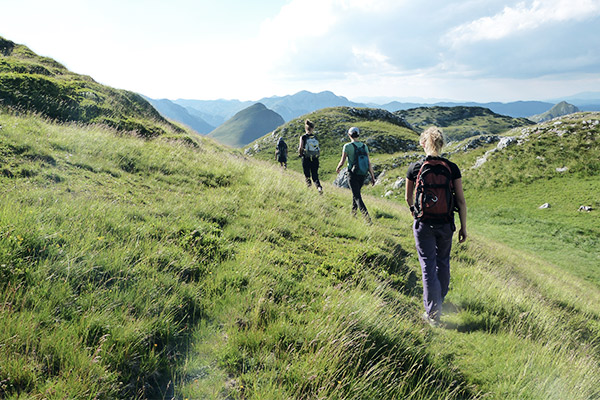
173, 267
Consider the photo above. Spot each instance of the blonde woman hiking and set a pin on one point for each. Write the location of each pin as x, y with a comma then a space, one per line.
434, 191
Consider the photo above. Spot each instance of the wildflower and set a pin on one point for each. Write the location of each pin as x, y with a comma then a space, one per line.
100, 237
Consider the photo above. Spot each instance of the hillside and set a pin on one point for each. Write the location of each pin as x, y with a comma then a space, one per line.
174, 268
560, 109
37, 84
247, 125
461, 122
178, 113
383, 132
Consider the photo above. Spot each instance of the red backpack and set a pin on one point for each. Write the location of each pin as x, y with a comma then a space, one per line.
434, 200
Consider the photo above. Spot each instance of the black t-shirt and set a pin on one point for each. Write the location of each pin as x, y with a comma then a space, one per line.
413, 169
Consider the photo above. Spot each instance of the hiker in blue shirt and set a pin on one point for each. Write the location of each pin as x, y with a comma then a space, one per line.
359, 166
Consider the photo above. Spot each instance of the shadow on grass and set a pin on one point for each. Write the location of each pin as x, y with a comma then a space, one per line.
467, 321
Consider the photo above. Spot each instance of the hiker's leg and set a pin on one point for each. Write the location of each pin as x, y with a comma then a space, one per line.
425, 242
315, 172
306, 168
444, 245
356, 183
352, 181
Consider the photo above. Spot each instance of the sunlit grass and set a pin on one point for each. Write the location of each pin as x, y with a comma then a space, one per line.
172, 267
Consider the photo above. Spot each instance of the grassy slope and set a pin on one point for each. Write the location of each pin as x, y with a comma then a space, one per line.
507, 190
40, 84
131, 267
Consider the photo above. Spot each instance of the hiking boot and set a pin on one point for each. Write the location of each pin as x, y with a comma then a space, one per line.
320, 189
432, 322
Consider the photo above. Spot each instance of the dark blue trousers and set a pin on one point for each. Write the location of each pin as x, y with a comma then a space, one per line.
434, 242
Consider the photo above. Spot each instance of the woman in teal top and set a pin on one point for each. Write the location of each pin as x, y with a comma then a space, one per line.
357, 169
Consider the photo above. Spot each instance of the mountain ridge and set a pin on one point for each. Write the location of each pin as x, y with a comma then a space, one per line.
460, 122
303, 102
247, 125
181, 114
40, 84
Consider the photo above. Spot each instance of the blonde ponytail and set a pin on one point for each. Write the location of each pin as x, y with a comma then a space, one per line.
432, 140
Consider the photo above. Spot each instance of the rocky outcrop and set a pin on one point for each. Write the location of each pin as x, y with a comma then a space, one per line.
373, 114
342, 179
562, 126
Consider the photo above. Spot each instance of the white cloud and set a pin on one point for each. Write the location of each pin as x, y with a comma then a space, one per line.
522, 17
245, 50
311, 35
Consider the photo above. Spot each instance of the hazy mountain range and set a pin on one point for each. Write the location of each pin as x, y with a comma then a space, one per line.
207, 113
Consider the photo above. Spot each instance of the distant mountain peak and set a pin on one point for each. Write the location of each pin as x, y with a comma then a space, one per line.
560, 109
247, 125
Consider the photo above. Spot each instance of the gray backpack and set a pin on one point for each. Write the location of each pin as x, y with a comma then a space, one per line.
311, 147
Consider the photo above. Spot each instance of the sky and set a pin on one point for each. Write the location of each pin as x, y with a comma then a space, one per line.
463, 50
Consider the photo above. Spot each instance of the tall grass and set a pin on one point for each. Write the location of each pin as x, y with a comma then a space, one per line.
174, 268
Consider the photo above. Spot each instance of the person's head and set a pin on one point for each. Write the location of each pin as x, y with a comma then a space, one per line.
309, 126
354, 133
432, 140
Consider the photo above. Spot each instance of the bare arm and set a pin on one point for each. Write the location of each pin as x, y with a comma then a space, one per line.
342, 161
300, 147
409, 193
462, 209
372, 173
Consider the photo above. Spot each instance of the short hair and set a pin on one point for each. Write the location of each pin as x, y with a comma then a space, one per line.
432, 140
309, 124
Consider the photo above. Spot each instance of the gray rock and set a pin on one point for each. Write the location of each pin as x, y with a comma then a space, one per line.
342, 179
505, 142
380, 177
399, 183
